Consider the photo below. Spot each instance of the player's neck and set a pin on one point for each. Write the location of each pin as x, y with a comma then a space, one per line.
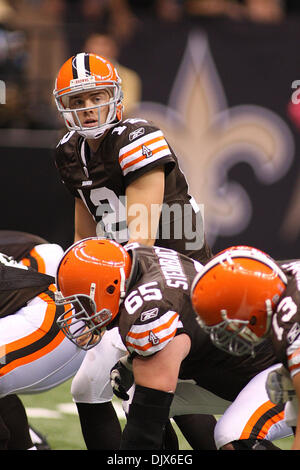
95, 143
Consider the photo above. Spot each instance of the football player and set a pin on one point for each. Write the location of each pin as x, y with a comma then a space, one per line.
31, 250
34, 251
123, 174
127, 186
145, 291
34, 355
244, 299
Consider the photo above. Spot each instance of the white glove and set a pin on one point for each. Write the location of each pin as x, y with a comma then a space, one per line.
279, 386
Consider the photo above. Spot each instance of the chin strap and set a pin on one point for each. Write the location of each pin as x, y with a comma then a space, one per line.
95, 133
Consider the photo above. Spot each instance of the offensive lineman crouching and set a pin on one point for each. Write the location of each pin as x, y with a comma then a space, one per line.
34, 354
158, 327
258, 299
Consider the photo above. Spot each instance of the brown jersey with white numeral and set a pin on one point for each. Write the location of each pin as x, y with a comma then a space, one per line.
157, 308
286, 319
129, 150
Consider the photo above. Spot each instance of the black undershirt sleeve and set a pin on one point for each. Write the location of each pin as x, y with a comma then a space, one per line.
147, 418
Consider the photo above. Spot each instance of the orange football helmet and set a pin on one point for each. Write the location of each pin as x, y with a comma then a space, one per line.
83, 73
234, 298
91, 277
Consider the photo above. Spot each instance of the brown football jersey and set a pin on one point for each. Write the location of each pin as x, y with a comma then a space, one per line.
157, 307
18, 244
286, 319
19, 284
129, 150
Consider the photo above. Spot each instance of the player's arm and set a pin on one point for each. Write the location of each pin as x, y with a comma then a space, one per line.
156, 378
85, 226
296, 383
144, 198
160, 371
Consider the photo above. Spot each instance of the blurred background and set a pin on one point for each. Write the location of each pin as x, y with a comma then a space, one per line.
219, 77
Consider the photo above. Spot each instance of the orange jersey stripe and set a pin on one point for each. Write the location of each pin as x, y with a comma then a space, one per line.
154, 330
41, 266
26, 262
34, 356
295, 353
40, 261
295, 366
135, 149
142, 157
255, 417
35, 336
292, 366
265, 429
149, 345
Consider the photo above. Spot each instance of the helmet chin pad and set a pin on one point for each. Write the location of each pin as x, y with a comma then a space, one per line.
94, 133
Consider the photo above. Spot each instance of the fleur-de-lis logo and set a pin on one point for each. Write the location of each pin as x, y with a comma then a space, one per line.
209, 139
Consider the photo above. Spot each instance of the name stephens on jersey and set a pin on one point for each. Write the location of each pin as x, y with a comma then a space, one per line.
171, 268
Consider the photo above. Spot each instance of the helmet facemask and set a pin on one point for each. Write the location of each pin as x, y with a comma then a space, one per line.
91, 280
82, 319
234, 336
71, 117
234, 298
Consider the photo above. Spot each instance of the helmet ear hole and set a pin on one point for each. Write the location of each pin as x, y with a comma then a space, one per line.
110, 289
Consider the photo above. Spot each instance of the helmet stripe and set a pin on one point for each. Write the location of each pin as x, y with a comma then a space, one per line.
80, 65
87, 64
74, 67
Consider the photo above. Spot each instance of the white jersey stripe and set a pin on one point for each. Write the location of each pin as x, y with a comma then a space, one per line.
140, 141
293, 355
158, 322
152, 350
146, 161
152, 337
139, 151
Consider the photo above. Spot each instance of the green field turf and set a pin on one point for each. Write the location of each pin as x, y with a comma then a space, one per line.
54, 414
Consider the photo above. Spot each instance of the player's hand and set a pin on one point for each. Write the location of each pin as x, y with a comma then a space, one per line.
121, 378
279, 386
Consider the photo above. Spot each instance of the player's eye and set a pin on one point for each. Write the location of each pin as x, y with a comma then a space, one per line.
76, 103
101, 98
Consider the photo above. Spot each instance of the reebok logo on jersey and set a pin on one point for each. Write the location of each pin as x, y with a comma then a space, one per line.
149, 314
153, 338
137, 133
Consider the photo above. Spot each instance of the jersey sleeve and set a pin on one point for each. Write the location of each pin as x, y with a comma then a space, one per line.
152, 331
65, 162
286, 322
144, 149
